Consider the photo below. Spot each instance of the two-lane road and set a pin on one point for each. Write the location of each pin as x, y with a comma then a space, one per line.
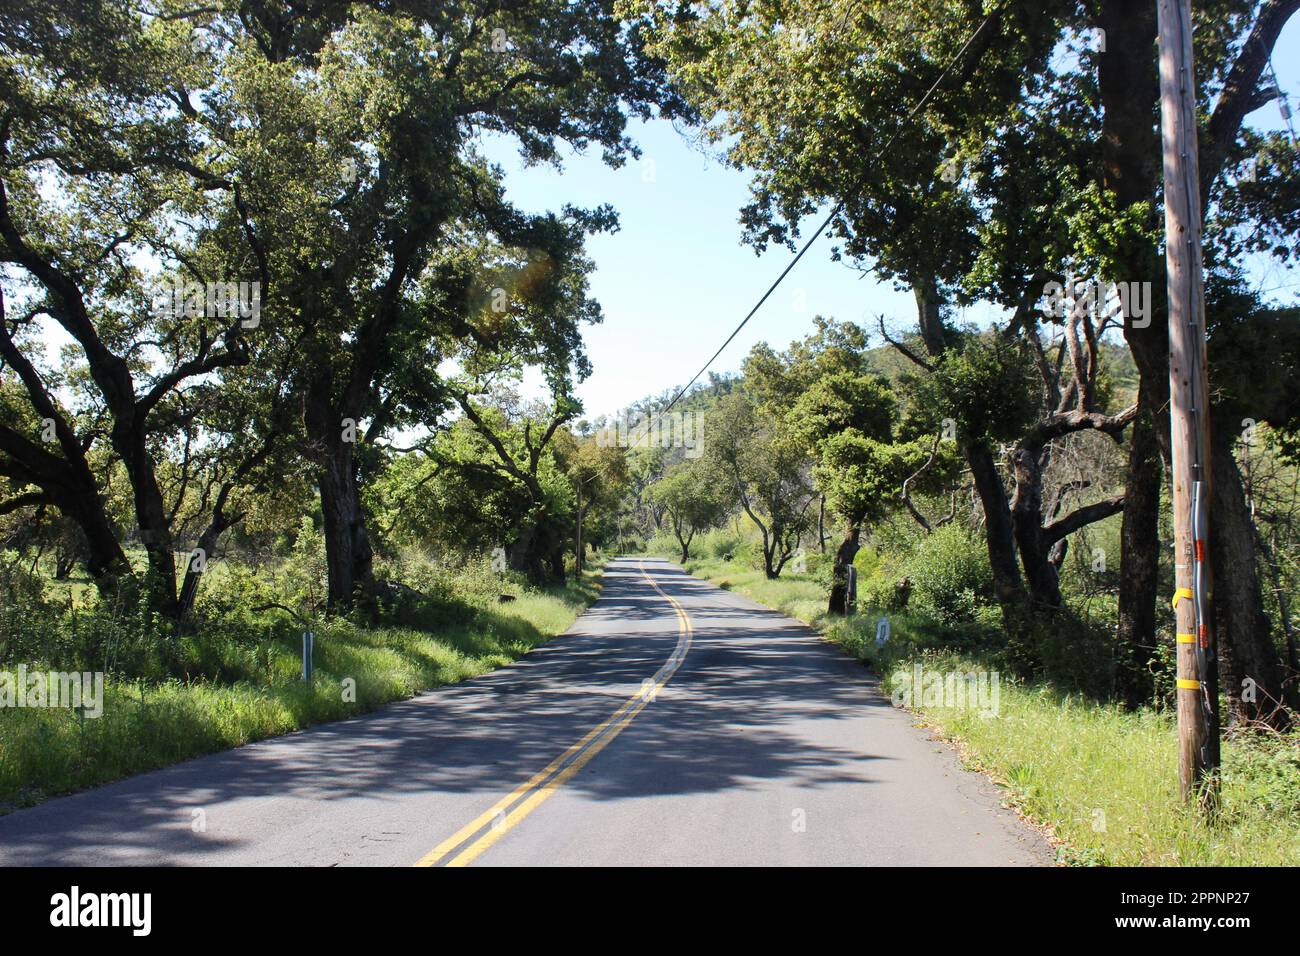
675, 723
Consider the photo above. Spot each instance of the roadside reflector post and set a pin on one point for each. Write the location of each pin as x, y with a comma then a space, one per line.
882, 631
308, 646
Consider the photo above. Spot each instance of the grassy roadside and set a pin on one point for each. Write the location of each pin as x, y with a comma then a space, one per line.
146, 725
1101, 779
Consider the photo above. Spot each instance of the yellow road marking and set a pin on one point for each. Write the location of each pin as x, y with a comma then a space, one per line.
545, 782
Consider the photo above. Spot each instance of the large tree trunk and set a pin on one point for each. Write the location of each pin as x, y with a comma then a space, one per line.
349, 558
1139, 561
67, 481
105, 560
1027, 521
152, 519
207, 544
821, 523
848, 550
770, 570
998, 532
1130, 151
1241, 625
998, 529
928, 316
525, 555
1130, 90
683, 539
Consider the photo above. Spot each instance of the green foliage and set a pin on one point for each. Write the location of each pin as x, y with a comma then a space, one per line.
950, 577
764, 464
1261, 215
863, 478
694, 498
724, 543
837, 67
987, 387
21, 589
822, 393
341, 175
844, 402
1256, 353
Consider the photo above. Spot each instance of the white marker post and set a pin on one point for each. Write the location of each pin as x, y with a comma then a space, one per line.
308, 646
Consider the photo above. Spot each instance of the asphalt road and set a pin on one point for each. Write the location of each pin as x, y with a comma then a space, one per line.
675, 723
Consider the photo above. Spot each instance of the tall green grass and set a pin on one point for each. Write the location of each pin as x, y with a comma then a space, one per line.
149, 724
1102, 780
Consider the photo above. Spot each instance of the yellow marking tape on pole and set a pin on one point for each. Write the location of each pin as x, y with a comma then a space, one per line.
542, 784
1185, 638
1185, 684
1182, 593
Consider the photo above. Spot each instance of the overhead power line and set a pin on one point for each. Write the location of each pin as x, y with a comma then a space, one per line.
1282, 104
831, 216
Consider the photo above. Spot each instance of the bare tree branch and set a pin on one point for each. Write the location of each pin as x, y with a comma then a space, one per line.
903, 348
1081, 517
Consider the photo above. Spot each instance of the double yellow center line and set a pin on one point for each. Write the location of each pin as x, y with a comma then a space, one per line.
483, 831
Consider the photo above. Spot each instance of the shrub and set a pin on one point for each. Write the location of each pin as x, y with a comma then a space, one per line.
950, 576
19, 586
722, 543
1068, 652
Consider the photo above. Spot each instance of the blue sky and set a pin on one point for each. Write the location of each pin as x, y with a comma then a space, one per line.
675, 280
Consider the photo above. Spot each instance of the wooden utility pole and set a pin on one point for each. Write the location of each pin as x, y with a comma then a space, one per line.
1198, 680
